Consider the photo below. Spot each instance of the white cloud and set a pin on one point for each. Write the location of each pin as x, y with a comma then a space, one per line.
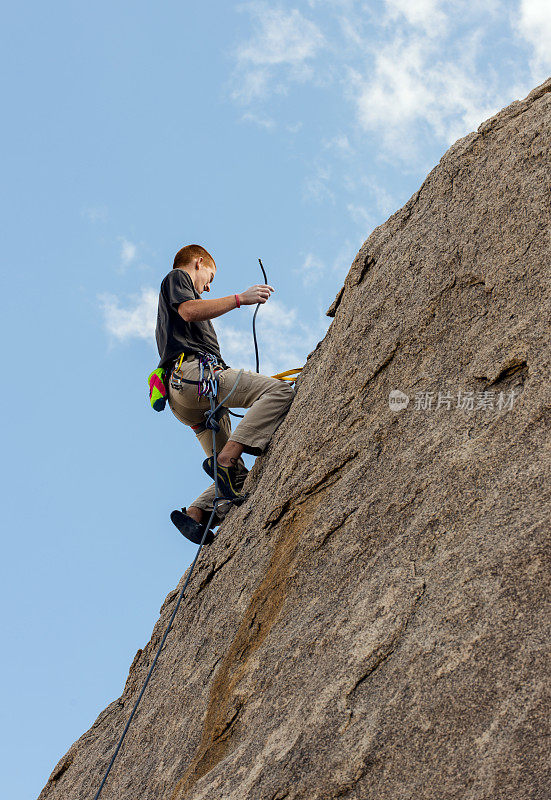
312, 270
281, 37
415, 85
136, 321
339, 144
534, 24
251, 86
294, 127
235, 343
284, 340
345, 257
411, 70
360, 215
277, 316
417, 75
95, 213
129, 252
282, 40
385, 202
316, 187
262, 122
425, 14
352, 32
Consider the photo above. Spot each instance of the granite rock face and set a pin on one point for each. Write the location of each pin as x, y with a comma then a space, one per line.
371, 623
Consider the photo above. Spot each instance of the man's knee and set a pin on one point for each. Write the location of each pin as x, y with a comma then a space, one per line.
286, 392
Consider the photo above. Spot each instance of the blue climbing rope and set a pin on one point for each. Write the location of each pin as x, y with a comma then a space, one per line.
207, 386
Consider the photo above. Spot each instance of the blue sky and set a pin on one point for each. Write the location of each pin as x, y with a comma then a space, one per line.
283, 131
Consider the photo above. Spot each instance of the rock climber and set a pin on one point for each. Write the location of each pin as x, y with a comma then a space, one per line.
185, 335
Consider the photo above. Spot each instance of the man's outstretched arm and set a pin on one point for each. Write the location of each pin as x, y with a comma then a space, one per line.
197, 310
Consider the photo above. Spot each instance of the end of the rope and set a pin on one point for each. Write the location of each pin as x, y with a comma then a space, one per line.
263, 270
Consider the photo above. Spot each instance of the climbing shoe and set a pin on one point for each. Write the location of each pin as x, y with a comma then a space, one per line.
189, 528
229, 479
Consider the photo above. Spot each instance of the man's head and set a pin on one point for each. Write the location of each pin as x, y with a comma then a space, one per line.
198, 263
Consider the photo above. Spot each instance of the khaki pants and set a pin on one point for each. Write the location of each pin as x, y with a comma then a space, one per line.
268, 399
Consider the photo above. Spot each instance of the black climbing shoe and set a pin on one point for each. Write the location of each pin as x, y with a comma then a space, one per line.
189, 528
229, 479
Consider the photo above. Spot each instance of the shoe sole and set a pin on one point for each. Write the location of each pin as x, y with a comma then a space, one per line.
194, 535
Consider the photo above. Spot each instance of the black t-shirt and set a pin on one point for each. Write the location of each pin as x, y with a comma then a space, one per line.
173, 334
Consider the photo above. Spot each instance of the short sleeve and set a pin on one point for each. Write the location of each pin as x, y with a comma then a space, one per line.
178, 288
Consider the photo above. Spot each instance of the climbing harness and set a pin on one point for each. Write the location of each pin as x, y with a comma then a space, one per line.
208, 364
207, 386
207, 383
